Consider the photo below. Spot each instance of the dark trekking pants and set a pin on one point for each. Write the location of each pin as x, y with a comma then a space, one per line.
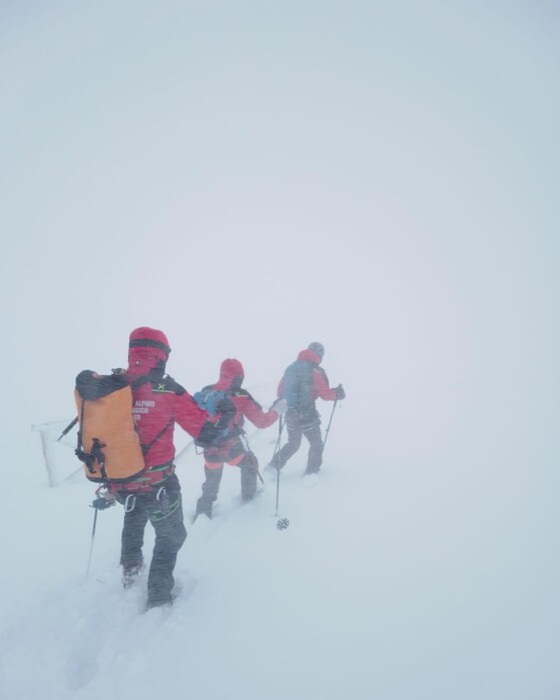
302, 423
163, 508
210, 489
247, 463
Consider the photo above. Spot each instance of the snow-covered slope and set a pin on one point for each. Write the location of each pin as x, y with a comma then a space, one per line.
386, 584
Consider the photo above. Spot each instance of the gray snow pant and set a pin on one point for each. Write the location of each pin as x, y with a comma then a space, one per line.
166, 516
306, 422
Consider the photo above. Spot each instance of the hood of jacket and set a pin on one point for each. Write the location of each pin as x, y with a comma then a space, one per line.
310, 356
230, 370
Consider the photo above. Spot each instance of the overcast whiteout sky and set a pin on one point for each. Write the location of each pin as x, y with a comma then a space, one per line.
252, 176
249, 177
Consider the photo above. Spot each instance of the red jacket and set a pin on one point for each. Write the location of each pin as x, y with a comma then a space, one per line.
319, 381
231, 377
157, 406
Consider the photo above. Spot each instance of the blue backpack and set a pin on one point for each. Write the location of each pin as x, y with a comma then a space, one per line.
208, 399
296, 388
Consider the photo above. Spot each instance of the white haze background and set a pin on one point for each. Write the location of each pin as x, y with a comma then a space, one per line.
249, 177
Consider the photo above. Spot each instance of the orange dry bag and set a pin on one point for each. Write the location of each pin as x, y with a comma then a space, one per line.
108, 443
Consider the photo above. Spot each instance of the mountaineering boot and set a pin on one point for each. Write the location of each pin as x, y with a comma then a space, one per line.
167, 601
272, 468
130, 574
310, 479
203, 507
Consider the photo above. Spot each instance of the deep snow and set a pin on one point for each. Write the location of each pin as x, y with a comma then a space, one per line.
384, 585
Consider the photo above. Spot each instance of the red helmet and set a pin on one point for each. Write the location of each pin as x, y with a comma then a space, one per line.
148, 348
149, 337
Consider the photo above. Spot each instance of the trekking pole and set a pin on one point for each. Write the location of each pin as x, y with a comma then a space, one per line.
258, 472
277, 488
103, 501
276, 449
329, 425
92, 538
282, 523
280, 428
67, 429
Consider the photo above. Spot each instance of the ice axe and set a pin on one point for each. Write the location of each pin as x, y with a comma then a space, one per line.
67, 429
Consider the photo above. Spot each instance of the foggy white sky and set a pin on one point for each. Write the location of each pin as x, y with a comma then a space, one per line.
251, 176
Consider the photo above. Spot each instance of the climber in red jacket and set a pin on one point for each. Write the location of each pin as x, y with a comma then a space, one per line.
233, 447
159, 402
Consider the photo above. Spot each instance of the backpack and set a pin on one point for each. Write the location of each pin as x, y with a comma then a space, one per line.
108, 442
296, 386
208, 399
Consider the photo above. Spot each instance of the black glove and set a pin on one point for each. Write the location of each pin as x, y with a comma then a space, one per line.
208, 434
213, 432
101, 503
340, 393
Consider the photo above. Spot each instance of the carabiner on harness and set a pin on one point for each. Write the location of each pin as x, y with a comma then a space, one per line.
129, 503
163, 499
161, 493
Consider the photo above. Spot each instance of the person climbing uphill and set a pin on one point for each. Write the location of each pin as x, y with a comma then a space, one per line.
233, 448
304, 382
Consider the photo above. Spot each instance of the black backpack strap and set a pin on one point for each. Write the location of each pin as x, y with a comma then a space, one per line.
96, 454
147, 448
144, 379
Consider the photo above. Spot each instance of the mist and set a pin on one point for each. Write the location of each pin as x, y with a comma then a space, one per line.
253, 176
